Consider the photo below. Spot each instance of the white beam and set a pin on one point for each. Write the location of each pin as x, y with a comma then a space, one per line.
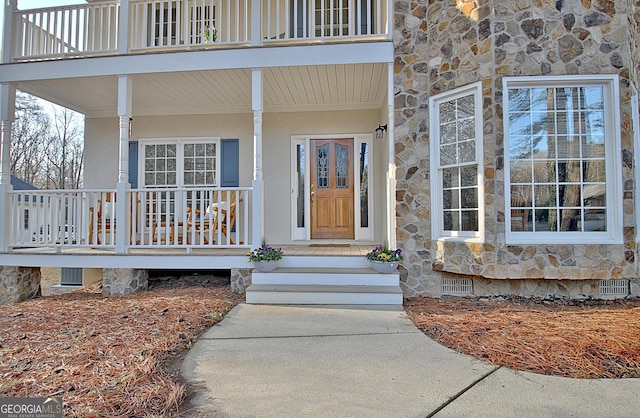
391, 171
123, 27
361, 53
157, 261
256, 16
257, 219
7, 117
125, 104
10, 6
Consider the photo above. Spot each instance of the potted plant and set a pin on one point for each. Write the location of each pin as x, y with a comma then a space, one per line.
265, 258
209, 34
384, 260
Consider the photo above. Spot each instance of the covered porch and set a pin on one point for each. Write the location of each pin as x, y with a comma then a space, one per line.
123, 211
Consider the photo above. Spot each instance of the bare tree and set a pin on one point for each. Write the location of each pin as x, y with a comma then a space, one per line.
65, 151
47, 145
31, 131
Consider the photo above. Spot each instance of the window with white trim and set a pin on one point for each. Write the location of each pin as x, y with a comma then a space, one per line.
180, 163
456, 168
562, 182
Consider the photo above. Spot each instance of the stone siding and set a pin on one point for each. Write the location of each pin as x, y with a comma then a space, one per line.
18, 284
240, 280
634, 39
124, 281
441, 45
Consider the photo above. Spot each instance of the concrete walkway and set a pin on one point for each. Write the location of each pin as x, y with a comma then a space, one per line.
370, 361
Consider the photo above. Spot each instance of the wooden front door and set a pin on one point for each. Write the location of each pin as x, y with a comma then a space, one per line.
332, 188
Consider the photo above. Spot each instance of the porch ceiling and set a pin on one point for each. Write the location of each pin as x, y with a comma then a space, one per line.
305, 88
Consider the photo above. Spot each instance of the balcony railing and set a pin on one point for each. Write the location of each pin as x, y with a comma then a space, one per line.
66, 31
153, 218
95, 29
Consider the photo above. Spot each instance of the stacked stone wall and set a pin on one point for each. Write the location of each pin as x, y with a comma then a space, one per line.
634, 40
240, 280
441, 45
18, 284
124, 281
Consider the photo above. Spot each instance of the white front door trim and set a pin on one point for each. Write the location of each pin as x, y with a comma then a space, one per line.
303, 233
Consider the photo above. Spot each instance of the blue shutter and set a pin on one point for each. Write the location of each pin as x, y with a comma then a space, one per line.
133, 164
230, 162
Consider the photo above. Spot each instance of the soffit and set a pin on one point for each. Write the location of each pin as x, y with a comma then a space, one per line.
325, 87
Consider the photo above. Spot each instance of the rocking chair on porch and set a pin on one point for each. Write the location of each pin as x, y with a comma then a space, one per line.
161, 220
100, 222
205, 226
103, 223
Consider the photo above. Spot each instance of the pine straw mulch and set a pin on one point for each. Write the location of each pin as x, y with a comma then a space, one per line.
106, 356
588, 339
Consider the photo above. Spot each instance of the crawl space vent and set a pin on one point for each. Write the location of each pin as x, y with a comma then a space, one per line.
614, 288
457, 286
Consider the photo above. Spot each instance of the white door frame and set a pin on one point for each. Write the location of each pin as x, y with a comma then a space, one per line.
304, 233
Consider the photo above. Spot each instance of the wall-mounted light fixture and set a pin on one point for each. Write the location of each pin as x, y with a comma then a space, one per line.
130, 126
380, 131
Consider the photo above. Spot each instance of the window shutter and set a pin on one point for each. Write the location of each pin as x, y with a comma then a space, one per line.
230, 160
133, 164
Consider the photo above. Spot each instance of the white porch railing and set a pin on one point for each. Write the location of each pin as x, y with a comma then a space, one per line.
158, 218
185, 23
91, 29
191, 218
58, 218
323, 19
67, 31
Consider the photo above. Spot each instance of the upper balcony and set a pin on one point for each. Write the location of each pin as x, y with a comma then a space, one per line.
139, 26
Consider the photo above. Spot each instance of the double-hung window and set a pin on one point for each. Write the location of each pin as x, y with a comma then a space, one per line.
456, 169
181, 163
563, 175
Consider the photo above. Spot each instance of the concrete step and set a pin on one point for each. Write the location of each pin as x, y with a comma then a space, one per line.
305, 261
326, 276
323, 294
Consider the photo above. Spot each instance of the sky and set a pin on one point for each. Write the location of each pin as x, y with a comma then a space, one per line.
35, 4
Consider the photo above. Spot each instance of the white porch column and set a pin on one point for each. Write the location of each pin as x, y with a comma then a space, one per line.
257, 217
7, 116
391, 171
123, 27
10, 6
256, 15
125, 102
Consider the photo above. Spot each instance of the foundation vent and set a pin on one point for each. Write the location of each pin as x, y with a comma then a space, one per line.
614, 288
457, 286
